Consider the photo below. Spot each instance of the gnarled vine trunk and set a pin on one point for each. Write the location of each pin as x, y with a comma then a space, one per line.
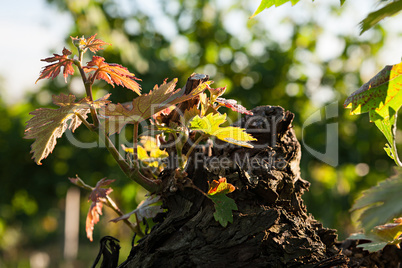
271, 227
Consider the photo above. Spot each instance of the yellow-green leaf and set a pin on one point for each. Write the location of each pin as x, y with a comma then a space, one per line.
269, 3
223, 204
381, 97
219, 187
210, 125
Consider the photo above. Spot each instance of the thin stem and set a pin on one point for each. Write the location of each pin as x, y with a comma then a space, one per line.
179, 148
136, 175
115, 153
110, 203
203, 136
135, 228
84, 121
109, 145
141, 234
135, 143
88, 88
150, 185
198, 189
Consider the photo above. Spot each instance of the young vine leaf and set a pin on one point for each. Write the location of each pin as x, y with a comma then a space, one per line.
93, 44
375, 244
380, 203
53, 70
210, 125
223, 204
387, 234
375, 17
269, 3
148, 152
233, 105
97, 197
381, 97
144, 106
47, 125
112, 73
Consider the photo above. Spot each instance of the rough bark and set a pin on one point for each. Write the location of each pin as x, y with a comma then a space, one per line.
271, 227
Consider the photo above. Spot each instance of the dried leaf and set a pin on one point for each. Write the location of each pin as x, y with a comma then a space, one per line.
233, 105
97, 197
210, 125
148, 209
144, 106
52, 70
112, 73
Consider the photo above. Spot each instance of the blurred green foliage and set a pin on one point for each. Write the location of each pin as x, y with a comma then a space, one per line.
168, 39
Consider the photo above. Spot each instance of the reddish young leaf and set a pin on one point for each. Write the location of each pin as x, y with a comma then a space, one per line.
220, 187
97, 197
52, 70
112, 73
47, 125
216, 92
233, 105
91, 43
144, 106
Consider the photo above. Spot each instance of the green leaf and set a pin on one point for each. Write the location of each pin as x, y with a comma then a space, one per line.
210, 125
381, 97
380, 236
374, 245
380, 203
373, 18
223, 204
223, 208
47, 125
269, 3
387, 127
342, 2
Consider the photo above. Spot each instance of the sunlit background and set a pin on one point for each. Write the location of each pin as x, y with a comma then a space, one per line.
301, 58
